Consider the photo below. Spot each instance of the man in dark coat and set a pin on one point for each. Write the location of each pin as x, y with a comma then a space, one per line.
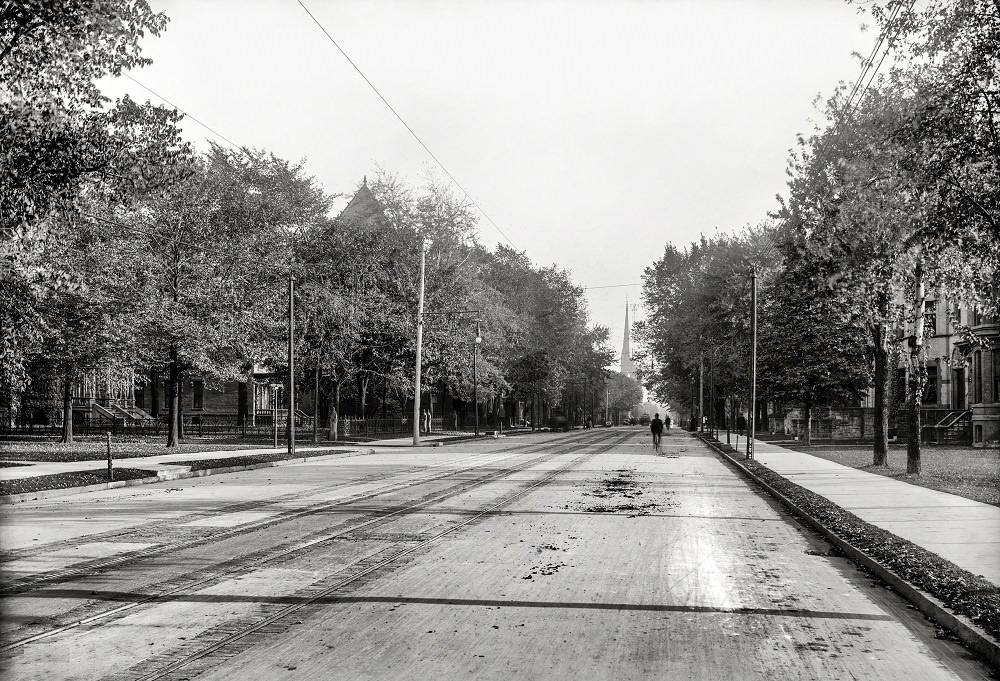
656, 427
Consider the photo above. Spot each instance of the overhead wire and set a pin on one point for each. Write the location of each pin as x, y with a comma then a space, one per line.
858, 92
866, 66
888, 48
218, 134
406, 125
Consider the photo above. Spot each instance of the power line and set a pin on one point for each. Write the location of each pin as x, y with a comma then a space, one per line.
405, 125
895, 24
233, 144
866, 66
888, 48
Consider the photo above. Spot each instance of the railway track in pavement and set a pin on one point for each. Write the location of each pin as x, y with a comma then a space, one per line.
367, 521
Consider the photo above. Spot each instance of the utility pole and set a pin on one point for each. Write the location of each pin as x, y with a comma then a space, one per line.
752, 421
475, 375
291, 363
420, 339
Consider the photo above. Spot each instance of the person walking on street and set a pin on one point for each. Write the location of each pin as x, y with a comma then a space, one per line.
656, 427
666, 424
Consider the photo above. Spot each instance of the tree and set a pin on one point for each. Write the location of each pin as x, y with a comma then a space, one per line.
624, 392
59, 145
815, 348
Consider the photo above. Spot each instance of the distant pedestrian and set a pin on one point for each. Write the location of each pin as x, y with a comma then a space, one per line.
590, 422
656, 428
666, 423
741, 424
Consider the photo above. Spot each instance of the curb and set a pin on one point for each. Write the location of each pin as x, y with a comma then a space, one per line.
168, 475
970, 634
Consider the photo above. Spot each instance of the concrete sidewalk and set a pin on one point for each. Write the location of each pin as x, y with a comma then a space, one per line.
960, 530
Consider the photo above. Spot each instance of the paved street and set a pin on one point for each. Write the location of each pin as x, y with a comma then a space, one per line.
545, 556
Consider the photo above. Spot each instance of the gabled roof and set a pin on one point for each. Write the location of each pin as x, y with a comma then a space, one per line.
363, 207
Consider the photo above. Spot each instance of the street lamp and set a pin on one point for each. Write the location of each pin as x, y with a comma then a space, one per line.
475, 375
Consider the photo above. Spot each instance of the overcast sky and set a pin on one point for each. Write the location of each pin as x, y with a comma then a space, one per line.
592, 133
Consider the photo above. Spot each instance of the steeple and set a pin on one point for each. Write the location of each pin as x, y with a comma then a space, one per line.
628, 366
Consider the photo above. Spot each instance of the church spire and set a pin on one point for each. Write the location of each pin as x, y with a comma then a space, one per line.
628, 366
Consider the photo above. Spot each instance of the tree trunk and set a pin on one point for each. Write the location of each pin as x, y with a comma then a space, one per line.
918, 365
880, 447
316, 402
173, 386
913, 407
918, 379
363, 394
333, 422
67, 429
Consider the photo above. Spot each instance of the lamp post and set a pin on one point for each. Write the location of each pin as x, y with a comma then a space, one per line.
475, 375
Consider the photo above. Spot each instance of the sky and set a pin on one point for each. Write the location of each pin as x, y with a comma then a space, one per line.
592, 133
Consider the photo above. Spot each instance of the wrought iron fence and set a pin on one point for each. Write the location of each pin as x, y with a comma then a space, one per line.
227, 425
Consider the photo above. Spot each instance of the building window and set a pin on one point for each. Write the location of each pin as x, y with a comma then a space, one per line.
977, 377
996, 374
140, 398
166, 394
199, 395
931, 387
930, 318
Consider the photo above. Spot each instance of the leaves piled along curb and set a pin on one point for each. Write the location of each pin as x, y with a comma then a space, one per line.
902, 561
247, 460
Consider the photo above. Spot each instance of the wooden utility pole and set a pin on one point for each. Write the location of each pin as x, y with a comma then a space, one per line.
291, 363
752, 421
420, 339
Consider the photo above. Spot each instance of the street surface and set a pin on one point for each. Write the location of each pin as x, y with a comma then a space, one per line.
547, 556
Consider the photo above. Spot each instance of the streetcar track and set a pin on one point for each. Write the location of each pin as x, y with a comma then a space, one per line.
242, 564
27, 583
155, 528
271, 624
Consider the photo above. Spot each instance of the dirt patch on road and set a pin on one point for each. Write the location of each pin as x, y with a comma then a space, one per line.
623, 493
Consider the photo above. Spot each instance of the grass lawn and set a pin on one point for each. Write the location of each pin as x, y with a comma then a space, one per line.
93, 448
965, 471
